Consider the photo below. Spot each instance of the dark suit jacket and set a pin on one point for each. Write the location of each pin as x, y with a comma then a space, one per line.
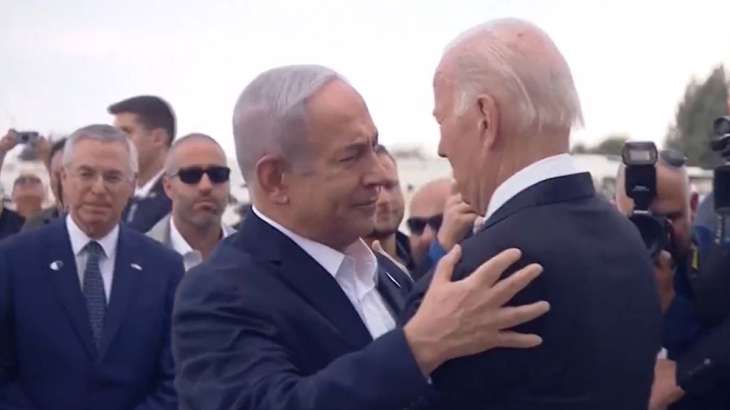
602, 334
142, 214
261, 325
46, 348
10, 222
704, 371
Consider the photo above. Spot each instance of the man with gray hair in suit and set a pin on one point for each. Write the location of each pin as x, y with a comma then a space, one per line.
290, 313
197, 181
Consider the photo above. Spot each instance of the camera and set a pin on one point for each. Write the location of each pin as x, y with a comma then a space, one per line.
640, 159
26, 137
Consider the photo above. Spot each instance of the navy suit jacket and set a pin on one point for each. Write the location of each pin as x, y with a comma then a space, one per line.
602, 334
262, 326
47, 356
142, 214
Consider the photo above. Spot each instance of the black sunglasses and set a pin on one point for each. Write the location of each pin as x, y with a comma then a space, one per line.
418, 225
193, 175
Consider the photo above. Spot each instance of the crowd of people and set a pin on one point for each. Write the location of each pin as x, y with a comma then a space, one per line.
516, 286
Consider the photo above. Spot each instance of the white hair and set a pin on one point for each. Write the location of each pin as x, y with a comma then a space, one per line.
270, 117
539, 88
103, 133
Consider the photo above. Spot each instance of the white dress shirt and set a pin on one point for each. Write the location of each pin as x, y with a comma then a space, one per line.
355, 272
108, 243
547, 168
191, 257
144, 190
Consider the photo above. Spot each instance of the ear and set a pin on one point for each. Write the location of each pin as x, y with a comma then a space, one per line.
159, 137
488, 119
271, 179
694, 200
167, 185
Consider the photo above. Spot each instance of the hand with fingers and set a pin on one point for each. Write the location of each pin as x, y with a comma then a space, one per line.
469, 316
8, 142
458, 221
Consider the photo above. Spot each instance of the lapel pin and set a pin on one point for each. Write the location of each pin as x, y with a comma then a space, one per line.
56, 265
135, 266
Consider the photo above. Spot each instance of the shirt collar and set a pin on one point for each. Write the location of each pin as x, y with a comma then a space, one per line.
547, 168
181, 246
365, 263
144, 190
79, 239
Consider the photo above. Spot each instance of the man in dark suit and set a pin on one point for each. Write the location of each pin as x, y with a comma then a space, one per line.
150, 123
85, 304
505, 127
290, 312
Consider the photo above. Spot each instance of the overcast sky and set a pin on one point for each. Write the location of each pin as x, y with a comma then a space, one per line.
63, 62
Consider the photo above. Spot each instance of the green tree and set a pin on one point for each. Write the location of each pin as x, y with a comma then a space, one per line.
611, 145
692, 130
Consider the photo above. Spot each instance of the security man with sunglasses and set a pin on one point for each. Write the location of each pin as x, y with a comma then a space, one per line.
197, 181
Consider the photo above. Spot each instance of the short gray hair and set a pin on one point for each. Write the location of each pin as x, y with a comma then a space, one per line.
270, 116
103, 133
543, 93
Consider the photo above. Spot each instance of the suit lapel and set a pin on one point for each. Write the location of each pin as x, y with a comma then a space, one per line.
393, 284
560, 189
306, 277
127, 274
61, 266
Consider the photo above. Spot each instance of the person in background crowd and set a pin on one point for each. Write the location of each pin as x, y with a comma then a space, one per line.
197, 181
28, 194
289, 312
85, 302
425, 214
505, 127
11, 222
438, 233
389, 214
54, 164
150, 123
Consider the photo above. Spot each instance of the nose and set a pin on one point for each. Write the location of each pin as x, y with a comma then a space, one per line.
98, 185
442, 148
376, 176
205, 185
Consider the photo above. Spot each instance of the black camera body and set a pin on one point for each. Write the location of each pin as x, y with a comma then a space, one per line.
26, 137
640, 174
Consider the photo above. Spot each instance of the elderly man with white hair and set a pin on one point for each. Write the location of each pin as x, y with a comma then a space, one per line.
292, 312
505, 102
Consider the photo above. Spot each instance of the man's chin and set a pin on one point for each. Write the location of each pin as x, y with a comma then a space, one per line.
381, 234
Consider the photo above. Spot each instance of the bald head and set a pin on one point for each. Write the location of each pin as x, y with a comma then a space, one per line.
499, 58
172, 160
430, 198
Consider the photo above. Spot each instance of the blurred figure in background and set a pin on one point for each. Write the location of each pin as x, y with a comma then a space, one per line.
425, 215
150, 122
54, 164
389, 214
10, 221
28, 194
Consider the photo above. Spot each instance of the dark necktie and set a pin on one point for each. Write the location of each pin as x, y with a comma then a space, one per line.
94, 290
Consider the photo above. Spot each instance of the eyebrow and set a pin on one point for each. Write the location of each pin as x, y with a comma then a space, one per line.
360, 143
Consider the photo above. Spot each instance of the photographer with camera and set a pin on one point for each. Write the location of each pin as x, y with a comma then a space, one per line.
653, 190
